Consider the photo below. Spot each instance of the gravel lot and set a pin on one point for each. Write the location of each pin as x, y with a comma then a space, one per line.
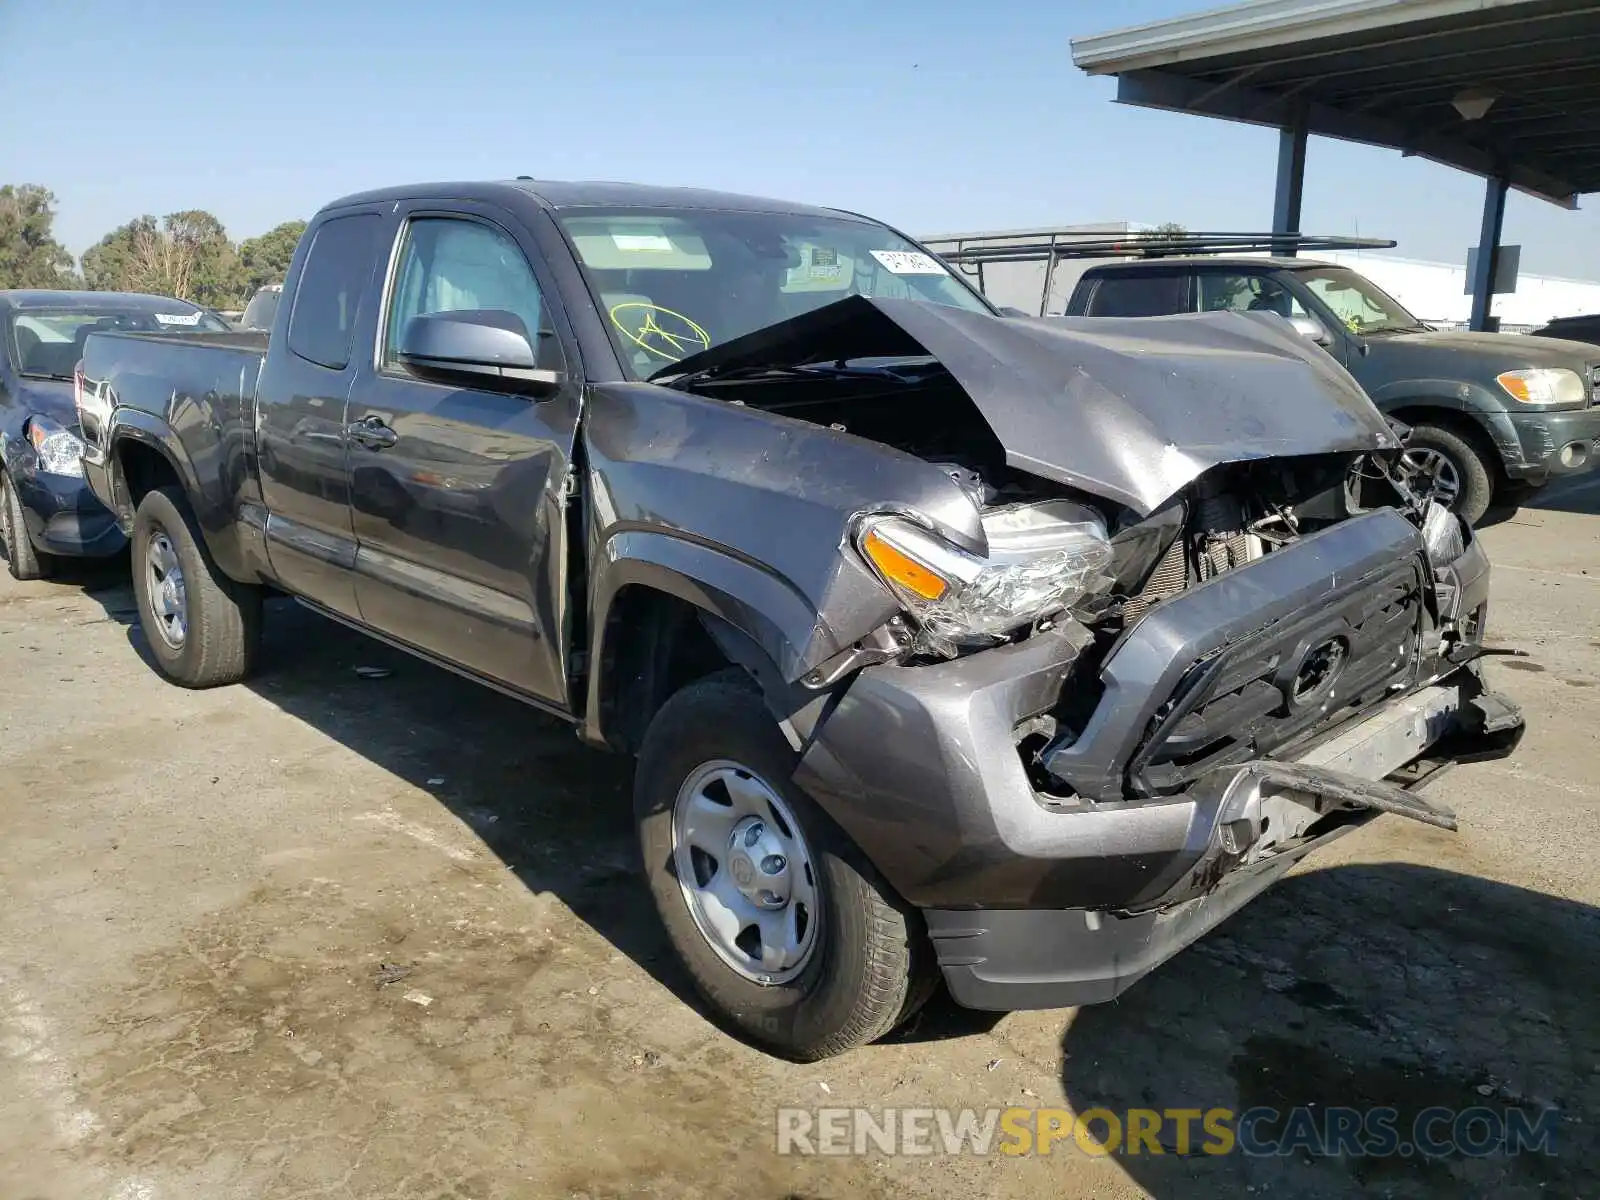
201, 892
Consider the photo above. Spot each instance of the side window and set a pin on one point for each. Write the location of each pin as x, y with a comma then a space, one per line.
1154, 295
1221, 290
450, 265
335, 274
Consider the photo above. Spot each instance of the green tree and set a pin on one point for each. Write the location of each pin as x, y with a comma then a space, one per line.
211, 263
30, 256
112, 264
185, 254
1165, 232
265, 259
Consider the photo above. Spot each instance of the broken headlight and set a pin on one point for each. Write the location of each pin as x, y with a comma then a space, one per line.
1042, 559
1441, 534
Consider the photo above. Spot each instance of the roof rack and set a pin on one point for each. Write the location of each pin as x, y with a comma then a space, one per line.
1152, 244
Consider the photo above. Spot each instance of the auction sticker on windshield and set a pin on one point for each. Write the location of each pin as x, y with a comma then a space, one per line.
177, 318
908, 262
648, 243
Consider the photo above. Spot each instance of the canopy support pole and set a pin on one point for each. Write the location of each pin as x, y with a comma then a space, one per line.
1291, 177
1487, 264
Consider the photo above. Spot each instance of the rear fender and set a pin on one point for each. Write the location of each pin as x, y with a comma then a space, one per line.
235, 544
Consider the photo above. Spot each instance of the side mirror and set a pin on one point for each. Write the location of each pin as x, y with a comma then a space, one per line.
1008, 310
1310, 327
479, 347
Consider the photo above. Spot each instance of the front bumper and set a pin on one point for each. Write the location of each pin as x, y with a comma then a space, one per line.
1553, 444
65, 518
1272, 816
1050, 874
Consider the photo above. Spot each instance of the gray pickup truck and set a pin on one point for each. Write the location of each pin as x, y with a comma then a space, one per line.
1493, 417
946, 643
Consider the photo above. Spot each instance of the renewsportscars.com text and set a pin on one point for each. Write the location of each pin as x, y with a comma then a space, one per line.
1476, 1132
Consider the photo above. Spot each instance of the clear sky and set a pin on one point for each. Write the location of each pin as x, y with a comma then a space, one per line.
934, 116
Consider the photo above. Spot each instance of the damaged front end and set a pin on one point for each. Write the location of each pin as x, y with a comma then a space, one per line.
1206, 626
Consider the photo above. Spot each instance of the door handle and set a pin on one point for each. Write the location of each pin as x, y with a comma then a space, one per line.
371, 431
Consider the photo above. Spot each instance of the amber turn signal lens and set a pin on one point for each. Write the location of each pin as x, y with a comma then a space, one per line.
1517, 386
899, 567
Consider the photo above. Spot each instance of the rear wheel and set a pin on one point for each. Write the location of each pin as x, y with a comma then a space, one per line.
1454, 472
787, 931
25, 562
202, 627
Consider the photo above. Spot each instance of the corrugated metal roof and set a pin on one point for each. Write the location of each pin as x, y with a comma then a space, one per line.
1257, 25
1389, 73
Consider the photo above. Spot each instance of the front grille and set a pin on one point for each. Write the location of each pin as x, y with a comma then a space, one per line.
1594, 383
1285, 682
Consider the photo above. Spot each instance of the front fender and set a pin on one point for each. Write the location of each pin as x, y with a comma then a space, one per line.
756, 602
1486, 410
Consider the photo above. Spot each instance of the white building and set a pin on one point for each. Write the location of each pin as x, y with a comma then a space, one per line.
1434, 291
1438, 292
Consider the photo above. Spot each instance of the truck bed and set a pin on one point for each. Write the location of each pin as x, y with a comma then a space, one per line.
217, 369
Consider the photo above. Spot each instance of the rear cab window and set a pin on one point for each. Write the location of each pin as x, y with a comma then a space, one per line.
1153, 294
332, 281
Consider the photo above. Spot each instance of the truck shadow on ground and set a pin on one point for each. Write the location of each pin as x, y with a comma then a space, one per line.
1357, 987
1579, 494
556, 812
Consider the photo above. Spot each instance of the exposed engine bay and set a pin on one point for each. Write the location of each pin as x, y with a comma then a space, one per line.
1232, 514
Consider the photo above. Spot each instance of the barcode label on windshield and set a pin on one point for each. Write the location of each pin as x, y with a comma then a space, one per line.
908, 262
177, 318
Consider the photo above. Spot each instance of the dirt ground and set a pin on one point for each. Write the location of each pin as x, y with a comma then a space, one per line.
200, 893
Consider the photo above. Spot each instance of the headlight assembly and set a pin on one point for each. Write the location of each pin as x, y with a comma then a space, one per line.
1544, 385
1441, 534
1042, 559
59, 450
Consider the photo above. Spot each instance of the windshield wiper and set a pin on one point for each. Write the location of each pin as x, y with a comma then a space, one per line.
744, 373
1414, 327
45, 375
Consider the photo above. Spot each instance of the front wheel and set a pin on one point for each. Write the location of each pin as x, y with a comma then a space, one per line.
1453, 471
25, 562
787, 932
202, 627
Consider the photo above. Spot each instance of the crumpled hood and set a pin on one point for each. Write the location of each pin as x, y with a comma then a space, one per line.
1128, 409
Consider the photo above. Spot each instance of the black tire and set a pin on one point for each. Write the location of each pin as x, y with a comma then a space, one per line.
222, 617
25, 562
1475, 476
870, 967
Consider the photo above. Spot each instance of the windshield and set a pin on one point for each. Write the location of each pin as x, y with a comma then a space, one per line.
48, 342
1359, 303
674, 282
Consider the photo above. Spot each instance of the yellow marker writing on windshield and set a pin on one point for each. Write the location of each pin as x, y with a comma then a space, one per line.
689, 339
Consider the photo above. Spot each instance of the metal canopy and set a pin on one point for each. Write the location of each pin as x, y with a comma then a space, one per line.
1389, 73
